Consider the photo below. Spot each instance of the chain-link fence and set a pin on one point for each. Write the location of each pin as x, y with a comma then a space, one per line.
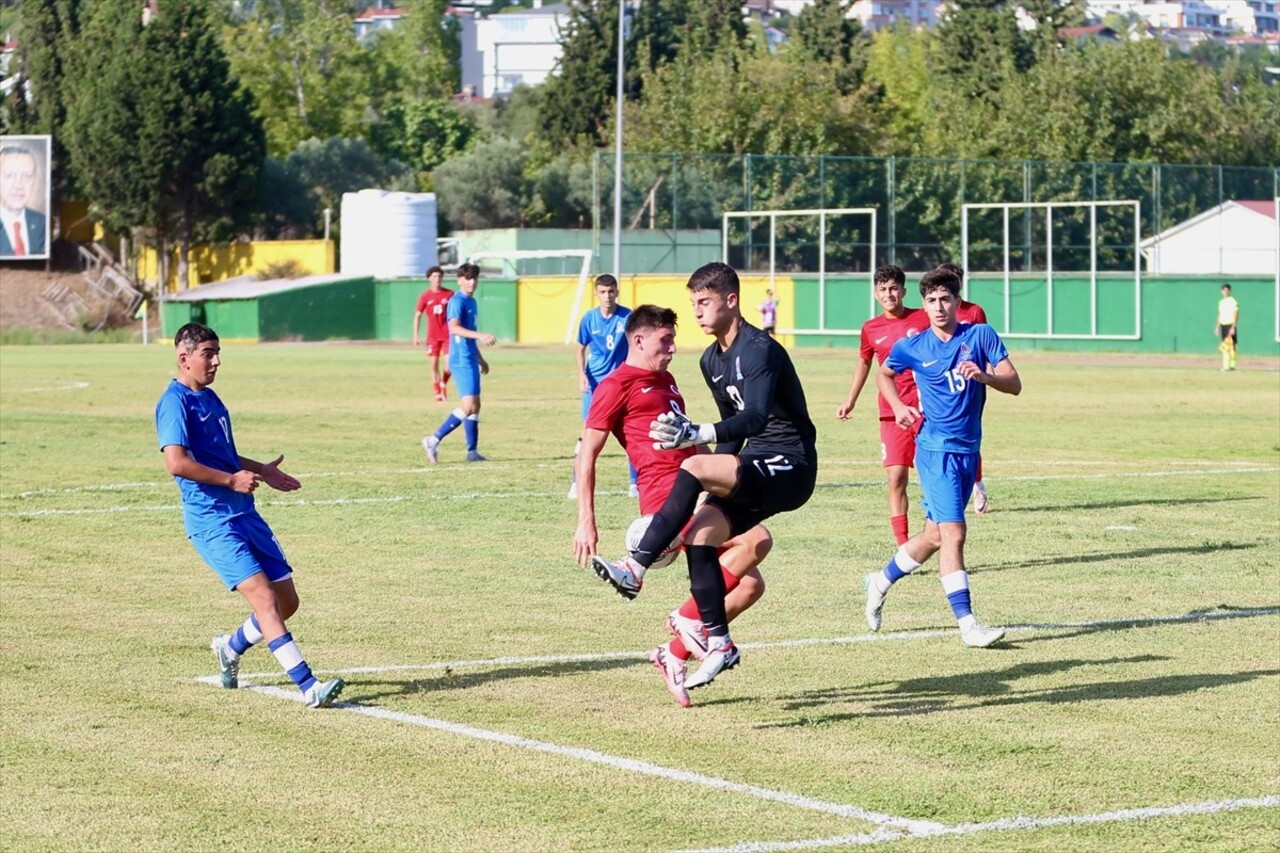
919, 202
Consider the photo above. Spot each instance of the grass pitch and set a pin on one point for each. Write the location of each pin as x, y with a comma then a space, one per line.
499, 697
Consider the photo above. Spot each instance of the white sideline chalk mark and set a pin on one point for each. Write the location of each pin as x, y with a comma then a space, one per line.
629, 764
70, 386
1240, 468
479, 496
543, 660
1121, 527
1006, 825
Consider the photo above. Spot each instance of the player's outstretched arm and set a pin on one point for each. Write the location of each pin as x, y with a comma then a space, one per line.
271, 474
586, 538
180, 464
860, 373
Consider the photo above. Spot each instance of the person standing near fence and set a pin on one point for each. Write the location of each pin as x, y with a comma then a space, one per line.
1228, 316
433, 303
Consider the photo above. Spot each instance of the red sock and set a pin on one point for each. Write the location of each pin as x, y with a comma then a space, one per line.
445, 381
899, 525
978, 479
677, 648
689, 609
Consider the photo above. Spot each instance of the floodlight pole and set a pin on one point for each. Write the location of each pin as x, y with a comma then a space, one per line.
617, 155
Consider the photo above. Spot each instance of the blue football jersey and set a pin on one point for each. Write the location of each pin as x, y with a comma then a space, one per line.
952, 405
463, 309
198, 421
605, 339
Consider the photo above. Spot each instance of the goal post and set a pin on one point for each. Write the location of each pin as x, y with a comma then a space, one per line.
584, 256
1049, 207
823, 214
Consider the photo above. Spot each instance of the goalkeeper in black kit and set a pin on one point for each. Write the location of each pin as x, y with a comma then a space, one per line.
764, 463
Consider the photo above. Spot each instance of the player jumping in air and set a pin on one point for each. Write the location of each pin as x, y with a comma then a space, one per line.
625, 404
948, 362
765, 460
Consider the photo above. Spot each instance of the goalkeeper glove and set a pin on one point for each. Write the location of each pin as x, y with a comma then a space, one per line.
673, 431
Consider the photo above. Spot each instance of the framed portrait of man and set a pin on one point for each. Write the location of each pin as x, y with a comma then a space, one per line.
24, 198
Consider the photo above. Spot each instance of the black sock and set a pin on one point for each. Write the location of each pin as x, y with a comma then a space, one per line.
706, 582
669, 520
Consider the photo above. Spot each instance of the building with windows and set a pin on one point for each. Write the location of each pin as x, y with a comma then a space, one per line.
506, 50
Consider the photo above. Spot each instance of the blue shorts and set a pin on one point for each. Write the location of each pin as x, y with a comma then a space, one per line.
946, 479
240, 548
466, 378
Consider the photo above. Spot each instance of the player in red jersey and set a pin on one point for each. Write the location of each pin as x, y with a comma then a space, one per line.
433, 303
971, 312
879, 334
625, 403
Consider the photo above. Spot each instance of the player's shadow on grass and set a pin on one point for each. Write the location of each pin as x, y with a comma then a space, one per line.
975, 690
364, 691
1108, 556
1121, 504
1052, 633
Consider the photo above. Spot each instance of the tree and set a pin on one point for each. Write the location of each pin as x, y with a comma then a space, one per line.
824, 32
580, 94
38, 103
160, 134
979, 46
485, 189
300, 60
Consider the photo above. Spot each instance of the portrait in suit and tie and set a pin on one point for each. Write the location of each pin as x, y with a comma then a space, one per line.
24, 197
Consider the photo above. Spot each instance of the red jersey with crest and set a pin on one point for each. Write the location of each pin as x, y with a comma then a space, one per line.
435, 304
624, 403
879, 334
970, 312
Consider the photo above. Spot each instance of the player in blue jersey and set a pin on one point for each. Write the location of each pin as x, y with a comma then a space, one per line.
602, 349
217, 483
466, 364
954, 363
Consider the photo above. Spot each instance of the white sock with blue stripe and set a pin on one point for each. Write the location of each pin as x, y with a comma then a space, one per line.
898, 568
956, 586
286, 651
245, 637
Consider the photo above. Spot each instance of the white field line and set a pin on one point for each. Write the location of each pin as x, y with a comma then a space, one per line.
628, 764
476, 496
1247, 467
1022, 823
543, 660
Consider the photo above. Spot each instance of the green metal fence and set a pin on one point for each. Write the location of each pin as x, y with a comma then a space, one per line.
920, 201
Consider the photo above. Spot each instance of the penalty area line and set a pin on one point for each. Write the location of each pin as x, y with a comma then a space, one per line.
643, 768
1006, 825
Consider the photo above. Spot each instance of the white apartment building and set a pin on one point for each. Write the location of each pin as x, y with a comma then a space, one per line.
502, 51
879, 14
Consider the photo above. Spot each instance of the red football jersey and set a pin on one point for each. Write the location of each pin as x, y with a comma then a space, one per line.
970, 312
624, 403
879, 334
434, 303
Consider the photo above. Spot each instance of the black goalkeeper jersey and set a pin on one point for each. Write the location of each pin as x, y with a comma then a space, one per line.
759, 395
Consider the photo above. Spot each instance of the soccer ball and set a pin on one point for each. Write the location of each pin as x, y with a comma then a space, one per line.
636, 532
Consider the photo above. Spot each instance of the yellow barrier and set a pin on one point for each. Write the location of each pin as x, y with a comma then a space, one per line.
545, 302
210, 263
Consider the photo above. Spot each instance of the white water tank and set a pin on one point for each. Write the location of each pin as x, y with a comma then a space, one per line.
388, 234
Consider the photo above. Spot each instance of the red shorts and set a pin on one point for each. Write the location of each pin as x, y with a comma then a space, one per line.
898, 445
438, 347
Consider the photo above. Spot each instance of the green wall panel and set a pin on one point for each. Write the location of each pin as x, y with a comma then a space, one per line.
230, 318
342, 310
497, 305
1178, 312
397, 299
